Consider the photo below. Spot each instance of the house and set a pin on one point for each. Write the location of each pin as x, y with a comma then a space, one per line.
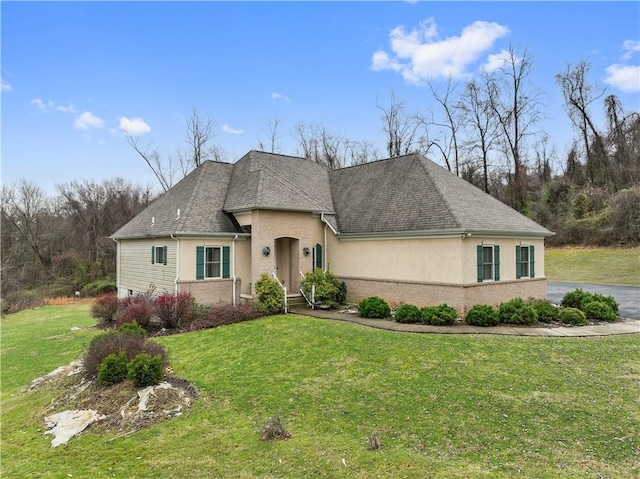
403, 228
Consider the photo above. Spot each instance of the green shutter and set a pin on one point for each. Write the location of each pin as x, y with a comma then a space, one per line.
480, 278
164, 256
532, 262
225, 261
318, 256
496, 262
518, 263
153, 255
199, 262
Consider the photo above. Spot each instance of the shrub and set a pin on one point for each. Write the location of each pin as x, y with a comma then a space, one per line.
599, 311
482, 315
105, 309
270, 295
517, 311
574, 299
145, 370
173, 309
573, 316
547, 312
407, 313
328, 289
131, 344
212, 317
113, 369
609, 300
131, 328
136, 308
99, 287
443, 315
374, 307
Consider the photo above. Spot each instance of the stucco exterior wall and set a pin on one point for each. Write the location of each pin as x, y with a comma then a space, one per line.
269, 225
136, 272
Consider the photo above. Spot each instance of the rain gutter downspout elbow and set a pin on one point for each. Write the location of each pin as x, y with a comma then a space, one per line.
175, 281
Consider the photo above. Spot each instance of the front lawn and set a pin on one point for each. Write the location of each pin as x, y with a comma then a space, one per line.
443, 405
594, 265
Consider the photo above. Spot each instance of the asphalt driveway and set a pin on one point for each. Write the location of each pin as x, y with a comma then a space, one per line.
627, 296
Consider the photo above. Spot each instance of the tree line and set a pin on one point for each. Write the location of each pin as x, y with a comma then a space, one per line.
488, 131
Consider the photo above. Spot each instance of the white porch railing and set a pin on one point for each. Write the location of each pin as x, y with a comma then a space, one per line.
283, 289
313, 293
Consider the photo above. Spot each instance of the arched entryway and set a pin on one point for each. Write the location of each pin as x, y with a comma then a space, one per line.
288, 262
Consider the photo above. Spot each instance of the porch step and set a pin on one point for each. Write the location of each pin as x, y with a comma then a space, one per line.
296, 301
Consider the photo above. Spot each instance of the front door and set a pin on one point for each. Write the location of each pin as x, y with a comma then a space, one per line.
287, 263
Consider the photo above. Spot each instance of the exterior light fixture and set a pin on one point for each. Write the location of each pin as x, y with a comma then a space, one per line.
266, 250
306, 251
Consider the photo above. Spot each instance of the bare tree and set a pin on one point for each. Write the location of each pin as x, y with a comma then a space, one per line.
448, 146
318, 144
273, 137
199, 136
401, 129
482, 125
516, 109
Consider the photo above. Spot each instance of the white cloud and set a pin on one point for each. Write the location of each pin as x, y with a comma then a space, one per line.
624, 77
41, 105
67, 109
420, 55
134, 126
497, 60
88, 120
232, 131
630, 47
5, 86
280, 96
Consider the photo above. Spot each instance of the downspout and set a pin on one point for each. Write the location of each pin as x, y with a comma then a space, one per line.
233, 269
326, 254
175, 282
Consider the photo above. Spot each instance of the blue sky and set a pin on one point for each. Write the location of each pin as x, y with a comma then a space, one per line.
76, 76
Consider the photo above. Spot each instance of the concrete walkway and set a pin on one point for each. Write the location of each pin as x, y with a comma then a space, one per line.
608, 329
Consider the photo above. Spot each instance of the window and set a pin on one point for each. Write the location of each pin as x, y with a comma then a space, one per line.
159, 255
212, 262
488, 263
525, 262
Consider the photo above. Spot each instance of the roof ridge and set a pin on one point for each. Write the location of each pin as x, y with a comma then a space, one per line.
421, 159
290, 185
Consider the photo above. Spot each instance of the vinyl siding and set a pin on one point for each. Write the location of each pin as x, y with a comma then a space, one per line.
137, 272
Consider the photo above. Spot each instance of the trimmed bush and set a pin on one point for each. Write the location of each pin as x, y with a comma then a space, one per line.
517, 311
573, 316
609, 300
105, 309
270, 295
374, 307
173, 309
482, 315
113, 369
131, 328
145, 370
547, 312
443, 315
574, 299
407, 313
599, 311
328, 289
131, 344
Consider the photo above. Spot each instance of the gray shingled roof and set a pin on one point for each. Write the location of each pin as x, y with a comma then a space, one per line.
412, 194
406, 194
272, 181
200, 198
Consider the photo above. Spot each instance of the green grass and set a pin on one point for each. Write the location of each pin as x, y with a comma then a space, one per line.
445, 406
594, 265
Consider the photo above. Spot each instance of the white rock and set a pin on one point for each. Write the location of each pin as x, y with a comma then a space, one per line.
64, 425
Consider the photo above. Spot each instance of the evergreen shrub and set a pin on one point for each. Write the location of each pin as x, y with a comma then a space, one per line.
443, 315
374, 307
113, 369
573, 317
517, 311
145, 370
482, 315
407, 313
